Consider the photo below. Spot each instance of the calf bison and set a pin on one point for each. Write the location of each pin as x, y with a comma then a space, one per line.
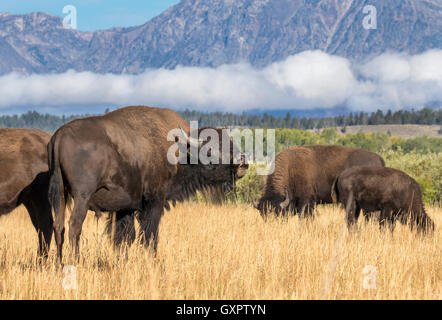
24, 179
118, 162
304, 175
394, 193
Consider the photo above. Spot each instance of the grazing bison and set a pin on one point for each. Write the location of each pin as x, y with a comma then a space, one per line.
394, 193
24, 179
118, 163
304, 175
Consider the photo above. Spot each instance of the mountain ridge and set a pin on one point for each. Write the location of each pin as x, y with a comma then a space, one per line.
212, 33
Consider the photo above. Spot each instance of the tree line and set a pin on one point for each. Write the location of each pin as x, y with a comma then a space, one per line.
425, 116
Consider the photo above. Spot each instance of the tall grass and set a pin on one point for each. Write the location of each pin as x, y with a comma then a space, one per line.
230, 252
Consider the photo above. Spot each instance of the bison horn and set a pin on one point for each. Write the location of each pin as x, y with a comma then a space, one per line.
255, 204
192, 141
243, 159
286, 202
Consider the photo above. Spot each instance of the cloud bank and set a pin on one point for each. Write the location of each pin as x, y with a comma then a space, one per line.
308, 80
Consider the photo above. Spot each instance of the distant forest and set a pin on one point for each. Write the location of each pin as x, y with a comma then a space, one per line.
425, 116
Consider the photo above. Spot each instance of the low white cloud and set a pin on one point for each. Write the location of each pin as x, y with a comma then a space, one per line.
311, 79
396, 81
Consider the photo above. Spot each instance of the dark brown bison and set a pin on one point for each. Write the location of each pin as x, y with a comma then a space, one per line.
118, 163
24, 179
392, 192
120, 226
304, 175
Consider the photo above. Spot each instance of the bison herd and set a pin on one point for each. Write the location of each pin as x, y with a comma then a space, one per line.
118, 163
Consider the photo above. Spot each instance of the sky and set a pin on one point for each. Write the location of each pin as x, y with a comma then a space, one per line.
95, 14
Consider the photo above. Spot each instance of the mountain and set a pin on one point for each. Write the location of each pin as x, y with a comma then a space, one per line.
216, 32
38, 43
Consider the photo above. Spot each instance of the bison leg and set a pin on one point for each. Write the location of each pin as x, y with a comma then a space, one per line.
41, 217
357, 212
305, 208
150, 220
311, 209
352, 211
76, 223
367, 215
143, 218
386, 218
59, 228
302, 207
35, 199
123, 230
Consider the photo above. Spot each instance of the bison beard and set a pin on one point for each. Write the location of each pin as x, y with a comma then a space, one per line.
304, 175
23, 156
118, 163
394, 193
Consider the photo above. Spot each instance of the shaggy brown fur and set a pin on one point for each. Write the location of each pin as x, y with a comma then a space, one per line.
305, 174
118, 162
183, 185
24, 179
394, 193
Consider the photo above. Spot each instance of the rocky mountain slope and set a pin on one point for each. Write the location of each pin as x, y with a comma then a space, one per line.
216, 32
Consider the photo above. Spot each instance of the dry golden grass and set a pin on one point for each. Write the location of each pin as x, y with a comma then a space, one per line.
208, 252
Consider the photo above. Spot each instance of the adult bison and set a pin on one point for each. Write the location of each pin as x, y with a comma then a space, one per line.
24, 179
392, 192
121, 227
187, 181
118, 163
304, 175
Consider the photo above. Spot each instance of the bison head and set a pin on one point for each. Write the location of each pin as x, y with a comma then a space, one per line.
219, 169
277, 203
213, 171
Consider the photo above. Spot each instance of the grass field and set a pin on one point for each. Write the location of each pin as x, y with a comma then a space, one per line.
229, 252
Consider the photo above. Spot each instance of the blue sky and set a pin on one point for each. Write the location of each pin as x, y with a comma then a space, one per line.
95, 14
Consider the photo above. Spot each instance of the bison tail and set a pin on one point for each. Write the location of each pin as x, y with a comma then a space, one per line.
335, 191
56, 193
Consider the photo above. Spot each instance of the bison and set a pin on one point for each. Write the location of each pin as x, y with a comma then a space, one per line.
24, 179
392, 192
118, 163
121, 226
303, 176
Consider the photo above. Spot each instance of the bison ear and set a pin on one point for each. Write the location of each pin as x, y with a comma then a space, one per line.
286, 202
241, 171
